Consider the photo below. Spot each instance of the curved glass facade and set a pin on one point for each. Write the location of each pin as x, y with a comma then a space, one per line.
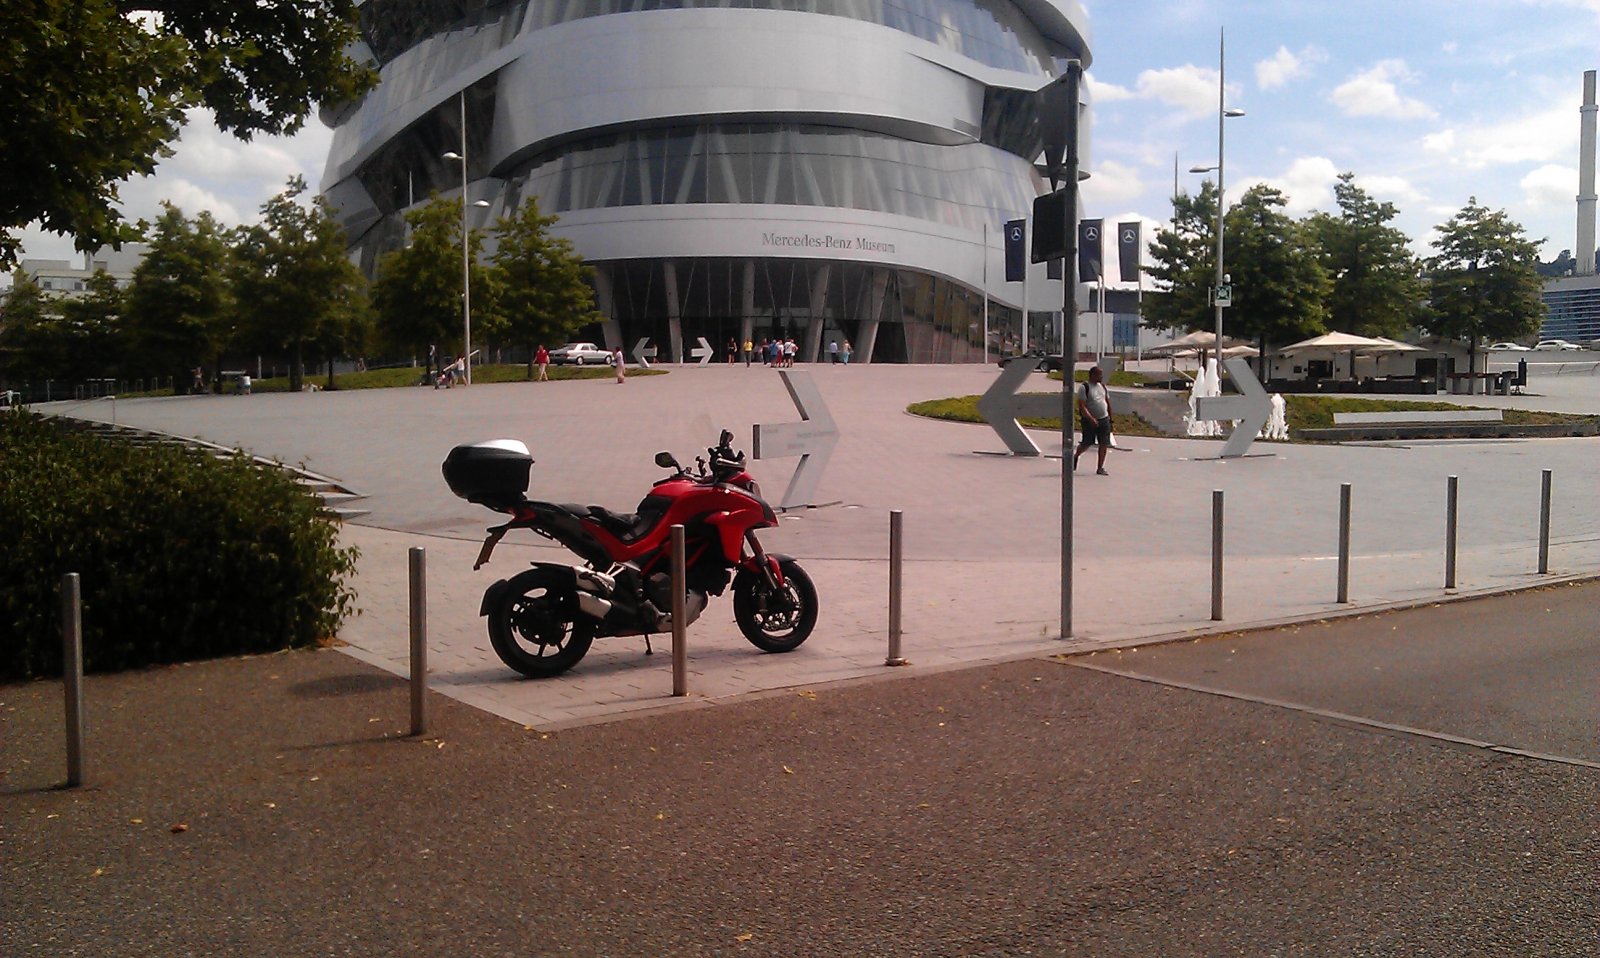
991, 32
888, 314
782, 164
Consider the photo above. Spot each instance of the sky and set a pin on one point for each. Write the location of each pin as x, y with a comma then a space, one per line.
1428, 103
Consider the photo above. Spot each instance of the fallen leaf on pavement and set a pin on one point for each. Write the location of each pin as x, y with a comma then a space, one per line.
179, 827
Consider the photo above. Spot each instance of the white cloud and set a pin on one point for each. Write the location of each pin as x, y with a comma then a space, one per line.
1550, 185
1190, 88
1112, 182
1307, 185
1396, 189
1441, 142
1529, 138
1374, 93
1284, 66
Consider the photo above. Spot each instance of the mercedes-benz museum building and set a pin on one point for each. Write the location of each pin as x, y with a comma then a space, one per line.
826, 170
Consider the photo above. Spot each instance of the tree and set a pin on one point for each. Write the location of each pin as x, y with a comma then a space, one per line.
94, 329
30, 344
180, 302
416, 296
542, 284
1483, 281
1377, 290
97, 90
1279, 286
294, 284
1184, 261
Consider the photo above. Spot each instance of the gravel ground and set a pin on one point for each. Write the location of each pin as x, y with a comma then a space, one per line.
272, 806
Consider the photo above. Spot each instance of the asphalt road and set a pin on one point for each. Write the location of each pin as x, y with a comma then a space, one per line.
1030, 808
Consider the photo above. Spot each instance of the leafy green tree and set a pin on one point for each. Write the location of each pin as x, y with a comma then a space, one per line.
94, 328
294, 284
180, 304
97, 90
542, 285
1184, 265
1279, 286
1483, 280
1377, 286
416, 297
31, 346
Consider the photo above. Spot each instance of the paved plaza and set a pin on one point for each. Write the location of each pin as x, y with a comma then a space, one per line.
982, 540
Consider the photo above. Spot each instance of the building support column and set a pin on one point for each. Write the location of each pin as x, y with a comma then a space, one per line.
819, 311
669, 272
747, 307
867, 335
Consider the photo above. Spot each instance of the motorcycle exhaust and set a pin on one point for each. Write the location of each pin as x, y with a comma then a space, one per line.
593, 605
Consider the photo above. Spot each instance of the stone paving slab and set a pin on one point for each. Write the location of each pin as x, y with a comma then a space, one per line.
982, 531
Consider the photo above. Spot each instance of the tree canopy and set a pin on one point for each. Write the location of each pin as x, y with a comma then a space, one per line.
416, 296
97, 90
1377, 290
294, 285
541, 282
1483, 281
1280, 288
180, 304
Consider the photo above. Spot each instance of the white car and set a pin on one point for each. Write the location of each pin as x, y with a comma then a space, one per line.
1507, 348
1556, 345
579, 354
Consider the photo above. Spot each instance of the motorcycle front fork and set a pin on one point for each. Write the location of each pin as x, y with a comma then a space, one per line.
759, 558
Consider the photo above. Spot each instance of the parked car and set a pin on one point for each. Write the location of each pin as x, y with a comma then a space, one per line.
579, 354
1050, 364
1507, 348
1556, 345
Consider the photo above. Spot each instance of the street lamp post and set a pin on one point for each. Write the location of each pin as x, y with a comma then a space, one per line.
466, 249
1223, 115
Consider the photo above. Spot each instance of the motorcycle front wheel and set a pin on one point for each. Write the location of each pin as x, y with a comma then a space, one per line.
775, 621
535, 626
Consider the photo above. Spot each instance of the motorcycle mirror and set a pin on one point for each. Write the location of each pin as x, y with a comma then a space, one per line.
727, 437
665, 461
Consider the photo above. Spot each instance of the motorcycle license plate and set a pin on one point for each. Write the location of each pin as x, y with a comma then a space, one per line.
495, 535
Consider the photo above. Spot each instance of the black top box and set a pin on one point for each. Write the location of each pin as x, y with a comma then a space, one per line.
493, 474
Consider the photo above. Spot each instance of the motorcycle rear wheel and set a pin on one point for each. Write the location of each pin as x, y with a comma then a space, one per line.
775, 621
535, 626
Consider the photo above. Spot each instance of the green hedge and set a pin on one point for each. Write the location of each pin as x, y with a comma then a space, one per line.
180, 555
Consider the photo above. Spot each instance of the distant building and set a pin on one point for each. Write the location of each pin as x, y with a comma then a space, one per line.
1572, 309
732, 170
59, 277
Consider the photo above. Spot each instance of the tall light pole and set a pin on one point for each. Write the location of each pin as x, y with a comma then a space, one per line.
466, 249
1223, 115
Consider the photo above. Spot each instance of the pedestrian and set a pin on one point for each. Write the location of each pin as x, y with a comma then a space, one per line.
747, 346
1094, 412
458, 371
435, 371
833, 352
789, 349
541, 358
199, 385
844, 352
620, 363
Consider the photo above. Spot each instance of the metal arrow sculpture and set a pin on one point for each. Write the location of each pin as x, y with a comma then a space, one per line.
812, 439
702, 351
1001, 406
1250, 408
643, 353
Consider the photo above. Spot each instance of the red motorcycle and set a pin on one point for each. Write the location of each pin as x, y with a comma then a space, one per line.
542, 621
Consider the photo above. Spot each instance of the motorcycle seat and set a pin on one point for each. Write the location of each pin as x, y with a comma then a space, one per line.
623, 525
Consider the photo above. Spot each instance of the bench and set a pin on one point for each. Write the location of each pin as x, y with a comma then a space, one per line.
1413, 424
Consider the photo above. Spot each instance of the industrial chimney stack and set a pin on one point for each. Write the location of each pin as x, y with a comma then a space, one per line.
1586, 195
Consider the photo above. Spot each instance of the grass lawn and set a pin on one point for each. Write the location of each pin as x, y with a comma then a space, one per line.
1304, 412
965, 409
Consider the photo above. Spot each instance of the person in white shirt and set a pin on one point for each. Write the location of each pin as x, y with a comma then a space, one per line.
1094, 415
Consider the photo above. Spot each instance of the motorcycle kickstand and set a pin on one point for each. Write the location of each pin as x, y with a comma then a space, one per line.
647, 649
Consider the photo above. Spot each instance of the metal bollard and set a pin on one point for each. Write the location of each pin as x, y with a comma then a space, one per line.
1544, 523
1344, 542
1216, 555
1450, 534
72, 674
680, 649
896, 560
419, 640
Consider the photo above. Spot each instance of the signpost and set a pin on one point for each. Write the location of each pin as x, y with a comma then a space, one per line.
812, 439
